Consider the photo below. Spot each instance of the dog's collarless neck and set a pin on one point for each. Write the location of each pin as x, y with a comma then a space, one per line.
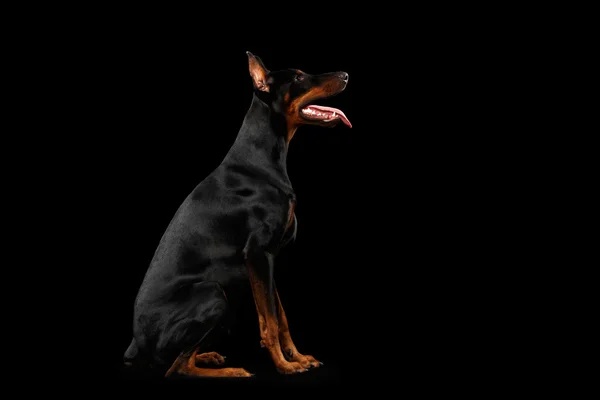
261, 147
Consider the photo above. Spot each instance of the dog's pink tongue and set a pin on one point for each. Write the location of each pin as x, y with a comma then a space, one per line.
333, 110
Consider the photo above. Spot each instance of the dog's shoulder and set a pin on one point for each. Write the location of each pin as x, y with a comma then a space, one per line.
238, 191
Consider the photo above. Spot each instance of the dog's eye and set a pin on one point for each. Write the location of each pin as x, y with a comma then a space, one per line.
299, 78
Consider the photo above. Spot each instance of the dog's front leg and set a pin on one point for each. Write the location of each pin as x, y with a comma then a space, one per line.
285, 339
260, 268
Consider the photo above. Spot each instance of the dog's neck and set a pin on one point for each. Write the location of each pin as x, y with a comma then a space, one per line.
261, 144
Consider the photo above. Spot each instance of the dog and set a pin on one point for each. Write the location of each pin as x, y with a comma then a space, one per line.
227, 233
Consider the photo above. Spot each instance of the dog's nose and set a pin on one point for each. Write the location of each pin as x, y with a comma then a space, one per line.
343, 76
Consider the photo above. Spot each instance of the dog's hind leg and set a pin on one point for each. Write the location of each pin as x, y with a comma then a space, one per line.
186, 365
209, 307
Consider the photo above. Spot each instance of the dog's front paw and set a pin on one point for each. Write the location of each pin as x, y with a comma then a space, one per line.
305, 360
289, 368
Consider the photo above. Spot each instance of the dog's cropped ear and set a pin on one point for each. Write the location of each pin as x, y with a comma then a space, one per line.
258, 72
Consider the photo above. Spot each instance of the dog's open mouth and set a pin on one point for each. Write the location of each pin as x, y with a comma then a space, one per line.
322, 113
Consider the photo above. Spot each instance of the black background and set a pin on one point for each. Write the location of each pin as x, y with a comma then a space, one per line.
398, 243
418, 254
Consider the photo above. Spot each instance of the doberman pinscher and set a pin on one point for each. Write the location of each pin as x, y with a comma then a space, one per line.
228, 231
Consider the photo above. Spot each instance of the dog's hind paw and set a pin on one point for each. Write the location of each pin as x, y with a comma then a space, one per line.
210, 358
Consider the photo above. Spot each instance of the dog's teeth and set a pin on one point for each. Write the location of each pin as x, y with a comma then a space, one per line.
333, 116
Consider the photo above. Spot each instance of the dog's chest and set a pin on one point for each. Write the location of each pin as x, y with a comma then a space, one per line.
277, 222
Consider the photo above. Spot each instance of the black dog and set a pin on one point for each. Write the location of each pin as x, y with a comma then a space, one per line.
228, 231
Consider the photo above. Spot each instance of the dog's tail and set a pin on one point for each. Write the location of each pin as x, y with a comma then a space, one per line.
130, 354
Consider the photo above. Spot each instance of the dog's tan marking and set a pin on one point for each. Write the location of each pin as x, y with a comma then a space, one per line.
285, 339
291, 215
294, 120
268, 325
186, 365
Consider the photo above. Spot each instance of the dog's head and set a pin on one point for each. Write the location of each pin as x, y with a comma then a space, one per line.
289, 92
